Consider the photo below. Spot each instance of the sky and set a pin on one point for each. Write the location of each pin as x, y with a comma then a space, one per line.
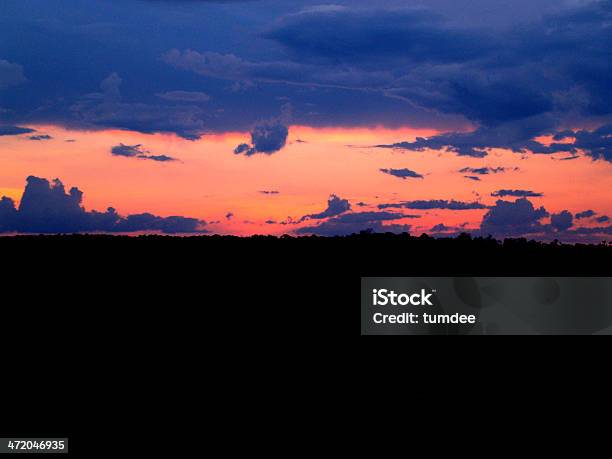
304, 117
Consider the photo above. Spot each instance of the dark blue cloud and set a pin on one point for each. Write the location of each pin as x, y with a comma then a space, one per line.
136, 151
185, 96
128, 151
364, 217
47, 208
266, 138
585, 214
402, 173
562, 221
516, 136
602, 219
352, 35
335, 206
482, 170
40, 137
352, 64
516, 218
597, 143
440, 228
352, 223
522, 219
11, 74
8, 215
434, 204
14, 130
159, 158
516, 194
108, 109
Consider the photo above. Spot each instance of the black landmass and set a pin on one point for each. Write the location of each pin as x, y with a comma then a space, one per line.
92, 322
224, 285
118, 259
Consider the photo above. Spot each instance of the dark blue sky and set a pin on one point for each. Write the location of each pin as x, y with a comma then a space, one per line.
531, 78
431, 63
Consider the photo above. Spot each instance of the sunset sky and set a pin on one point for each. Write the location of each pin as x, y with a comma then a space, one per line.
303, 117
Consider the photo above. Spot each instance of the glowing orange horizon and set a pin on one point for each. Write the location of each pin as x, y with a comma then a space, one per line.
208, 181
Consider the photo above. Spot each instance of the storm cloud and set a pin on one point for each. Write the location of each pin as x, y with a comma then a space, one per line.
435, 66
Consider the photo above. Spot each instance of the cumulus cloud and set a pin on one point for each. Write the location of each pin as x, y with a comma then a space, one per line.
46, 207
8, 215
335, 206
267, 138
602, 219
516, 194
136, 151
434, 204
402, 173
516, 218
562, 221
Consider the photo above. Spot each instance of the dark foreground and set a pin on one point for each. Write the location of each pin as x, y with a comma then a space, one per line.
86, 316
117, 259
249, 285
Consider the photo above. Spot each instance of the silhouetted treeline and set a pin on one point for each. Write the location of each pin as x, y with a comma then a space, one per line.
96, 288
361, 254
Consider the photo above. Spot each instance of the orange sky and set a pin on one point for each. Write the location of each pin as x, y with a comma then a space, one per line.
210, 180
